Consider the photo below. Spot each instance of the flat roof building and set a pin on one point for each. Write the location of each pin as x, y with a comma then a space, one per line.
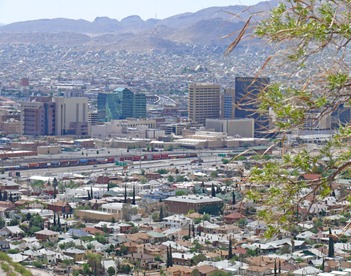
203, 102
182, 204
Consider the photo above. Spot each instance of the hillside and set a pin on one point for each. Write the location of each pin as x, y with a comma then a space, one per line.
205, 27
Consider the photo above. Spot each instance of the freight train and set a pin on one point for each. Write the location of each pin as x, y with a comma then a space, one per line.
94, 161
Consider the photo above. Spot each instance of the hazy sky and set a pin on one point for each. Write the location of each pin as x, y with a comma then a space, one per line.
22, 10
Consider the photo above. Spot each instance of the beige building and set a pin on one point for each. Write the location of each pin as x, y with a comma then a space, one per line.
92, 215
48, 149
204, 102
235, 127
136, 128
71, 116
11, 126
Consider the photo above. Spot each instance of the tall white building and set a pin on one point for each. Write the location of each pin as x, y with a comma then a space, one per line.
71, 116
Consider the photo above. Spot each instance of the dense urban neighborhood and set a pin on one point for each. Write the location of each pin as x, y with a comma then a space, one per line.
165, 160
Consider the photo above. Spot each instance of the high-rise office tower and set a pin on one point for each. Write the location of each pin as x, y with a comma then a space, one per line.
247, 90
203, 102
139, 105
55, 116
38, 117
227, 104
71, 116
109, 106
133, 104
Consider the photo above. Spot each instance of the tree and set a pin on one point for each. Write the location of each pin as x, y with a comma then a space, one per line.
230, 248
111, 271
4, 197
2, 223
198, 258
55, 184
133, 199
330, 245
170, 256
94, 262
160, 218
180, 193
302, 34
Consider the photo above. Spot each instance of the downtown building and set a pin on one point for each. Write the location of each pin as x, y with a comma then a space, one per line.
55, 116
122, 103
204, 102
246, 104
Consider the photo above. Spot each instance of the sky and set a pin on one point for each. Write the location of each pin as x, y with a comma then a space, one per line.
22, 10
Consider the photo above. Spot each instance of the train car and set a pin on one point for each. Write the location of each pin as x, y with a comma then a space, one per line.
164, 156
191, 154
55, 164
156, 157
122, 158
92, 162
42, 164
172, 156
83, 161
73, 162
13, 168
24, 166
136, 158
129, 157
101, 160
64, 163
33, 165
110, 160
148, 157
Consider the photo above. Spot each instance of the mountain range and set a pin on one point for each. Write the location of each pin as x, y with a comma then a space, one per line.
206, 27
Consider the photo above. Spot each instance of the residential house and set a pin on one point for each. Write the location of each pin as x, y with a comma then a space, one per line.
4, 246
47, 235
77, 254
176, 221
177, 270
77, 233
11, 231
206, 270
182, 258
144, 260
60, 207
233, 218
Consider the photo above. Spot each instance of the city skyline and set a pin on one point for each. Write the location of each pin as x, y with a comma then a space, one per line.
21, 10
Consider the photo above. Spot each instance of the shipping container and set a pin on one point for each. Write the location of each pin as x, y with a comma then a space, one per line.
73, 162
156, 156
54, 164
136, 158
110, 159
148, 157
33, 165
101, 160
43, 164
164, 156
92, 161
24, 166
64, 163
